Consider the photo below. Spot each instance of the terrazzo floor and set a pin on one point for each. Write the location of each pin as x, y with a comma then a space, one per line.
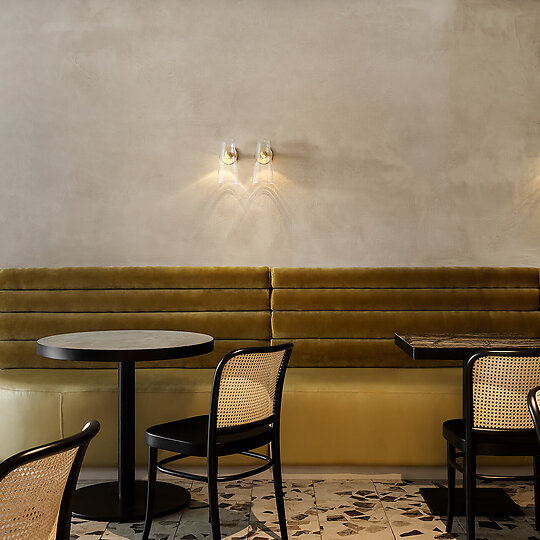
317, 509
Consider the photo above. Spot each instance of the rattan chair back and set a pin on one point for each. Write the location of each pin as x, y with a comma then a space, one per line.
500, 384
248, 384
36, 488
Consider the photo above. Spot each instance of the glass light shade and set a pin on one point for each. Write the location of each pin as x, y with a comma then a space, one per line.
263, 172
264, 152
229, 154
228, 172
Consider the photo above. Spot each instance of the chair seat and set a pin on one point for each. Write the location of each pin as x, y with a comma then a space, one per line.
498, 443
190, 436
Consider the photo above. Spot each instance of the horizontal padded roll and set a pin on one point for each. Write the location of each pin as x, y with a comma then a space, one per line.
405, 299
344, 353
134, 300
133, 277
22, 354
383, 324
403, 278
223, 325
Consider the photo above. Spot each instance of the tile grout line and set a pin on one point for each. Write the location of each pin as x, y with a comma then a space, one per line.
249, 511
250, 531
410, 498
317, 509
384, 509
182, 514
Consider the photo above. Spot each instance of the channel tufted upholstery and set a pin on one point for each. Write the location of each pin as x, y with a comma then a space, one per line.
347, 317
229, 303
341, 321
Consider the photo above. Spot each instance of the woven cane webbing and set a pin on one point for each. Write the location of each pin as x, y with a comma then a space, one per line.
500, 387
30, 497
247, 388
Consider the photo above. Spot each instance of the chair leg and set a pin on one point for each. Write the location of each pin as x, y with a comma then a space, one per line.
536, 464
150, 490
450, 458
213, 496
278, 486
470, 492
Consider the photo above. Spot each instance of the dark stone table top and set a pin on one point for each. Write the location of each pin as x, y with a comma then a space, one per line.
121, 345
459, 346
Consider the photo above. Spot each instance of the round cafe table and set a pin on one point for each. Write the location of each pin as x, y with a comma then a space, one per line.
125, 500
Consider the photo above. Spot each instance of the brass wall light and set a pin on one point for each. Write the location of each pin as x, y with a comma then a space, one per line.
227, 164
263, 172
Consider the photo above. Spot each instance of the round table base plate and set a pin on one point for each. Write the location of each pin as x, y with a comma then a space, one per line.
99, 502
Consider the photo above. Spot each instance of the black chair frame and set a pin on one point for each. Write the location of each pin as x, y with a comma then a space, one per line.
534, 409
491, 442
236, 444
80, 440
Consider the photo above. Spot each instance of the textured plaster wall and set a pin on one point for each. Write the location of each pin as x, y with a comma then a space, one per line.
406, 132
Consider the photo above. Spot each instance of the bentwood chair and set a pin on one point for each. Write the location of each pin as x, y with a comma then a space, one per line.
245, 406
37, 487
496, 422
534, 408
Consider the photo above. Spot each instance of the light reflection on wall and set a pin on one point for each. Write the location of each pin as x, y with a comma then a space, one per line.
241, 208
529, 200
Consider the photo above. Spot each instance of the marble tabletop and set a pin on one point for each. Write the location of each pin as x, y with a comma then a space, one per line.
459, 346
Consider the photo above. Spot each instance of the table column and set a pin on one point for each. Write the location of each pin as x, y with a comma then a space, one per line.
126, 435
125, 500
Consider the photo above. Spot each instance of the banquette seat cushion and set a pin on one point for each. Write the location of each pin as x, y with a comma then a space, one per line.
339, 416
351, 396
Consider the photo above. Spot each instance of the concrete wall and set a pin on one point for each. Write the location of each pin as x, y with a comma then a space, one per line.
406, 132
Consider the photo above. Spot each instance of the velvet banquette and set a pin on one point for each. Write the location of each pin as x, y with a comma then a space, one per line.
375, 404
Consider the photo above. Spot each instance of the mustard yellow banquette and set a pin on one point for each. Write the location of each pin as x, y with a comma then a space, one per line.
351, 396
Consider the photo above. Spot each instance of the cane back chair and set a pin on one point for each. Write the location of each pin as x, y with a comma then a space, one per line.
496, 422
245, 407
37, 487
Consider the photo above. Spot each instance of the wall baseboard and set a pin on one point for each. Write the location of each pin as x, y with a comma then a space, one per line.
325, 472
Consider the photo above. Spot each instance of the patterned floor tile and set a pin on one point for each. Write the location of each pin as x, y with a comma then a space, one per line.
497, 528
318, 510
123, 531
293, 490
344, 520
227, 491
301, 514
346, 492
410, 518
402, 490
233, 517
195, 531
522, 493
164, 528
86, 530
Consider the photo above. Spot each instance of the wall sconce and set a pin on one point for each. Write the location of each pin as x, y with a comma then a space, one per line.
263, 172
228, 172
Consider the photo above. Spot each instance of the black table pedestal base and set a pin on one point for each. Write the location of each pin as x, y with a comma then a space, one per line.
99, 502
489, 502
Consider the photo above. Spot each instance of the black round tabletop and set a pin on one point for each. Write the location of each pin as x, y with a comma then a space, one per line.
125, 345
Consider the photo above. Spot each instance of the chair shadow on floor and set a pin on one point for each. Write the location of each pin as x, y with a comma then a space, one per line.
263, 528
237, 520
